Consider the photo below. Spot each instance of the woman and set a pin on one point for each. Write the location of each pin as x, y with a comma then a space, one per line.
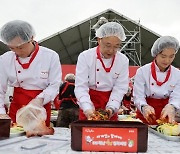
157, 84
102, 73
69, 109
34, 71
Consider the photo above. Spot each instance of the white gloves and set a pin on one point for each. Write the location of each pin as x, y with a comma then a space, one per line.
168, 114
110, 111
149, 113
37, 101
89, 113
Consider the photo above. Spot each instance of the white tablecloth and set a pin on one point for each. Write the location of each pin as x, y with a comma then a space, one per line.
60, 143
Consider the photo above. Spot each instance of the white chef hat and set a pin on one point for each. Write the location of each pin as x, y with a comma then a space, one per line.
16, 28
111, 29
163, 43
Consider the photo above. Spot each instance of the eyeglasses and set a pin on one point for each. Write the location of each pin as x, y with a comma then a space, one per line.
108, 46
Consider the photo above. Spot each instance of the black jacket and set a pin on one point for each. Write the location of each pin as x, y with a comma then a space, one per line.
67, 96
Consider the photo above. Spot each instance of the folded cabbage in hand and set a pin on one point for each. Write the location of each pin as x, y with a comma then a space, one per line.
40, 130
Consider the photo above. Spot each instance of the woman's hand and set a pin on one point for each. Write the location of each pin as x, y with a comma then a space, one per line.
168, 114
149, 113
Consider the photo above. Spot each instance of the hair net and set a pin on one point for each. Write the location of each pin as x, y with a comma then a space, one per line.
16, 28
163, 43
111, 29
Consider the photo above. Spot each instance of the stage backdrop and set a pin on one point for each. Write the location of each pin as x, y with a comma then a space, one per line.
71, 69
